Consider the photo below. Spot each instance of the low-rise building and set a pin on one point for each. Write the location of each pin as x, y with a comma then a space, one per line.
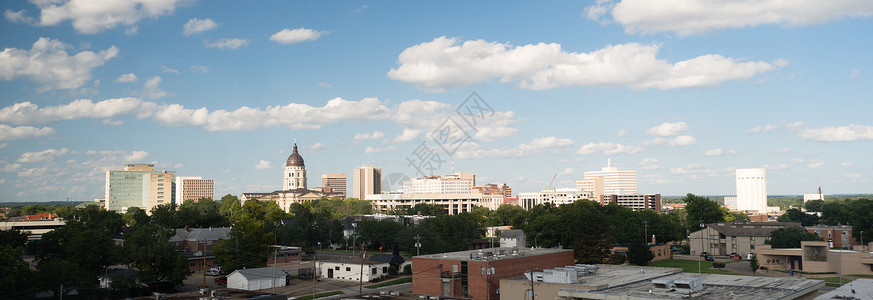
634, 201
256, 279
724, 238
815, 257
33, 228
644, 283
556, 196
196, 245
353, 270
478, 273
836, 236
512, 239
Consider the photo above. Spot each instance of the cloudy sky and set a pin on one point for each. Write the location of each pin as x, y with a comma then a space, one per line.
684, 92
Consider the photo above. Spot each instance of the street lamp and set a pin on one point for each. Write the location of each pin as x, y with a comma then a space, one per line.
701, 247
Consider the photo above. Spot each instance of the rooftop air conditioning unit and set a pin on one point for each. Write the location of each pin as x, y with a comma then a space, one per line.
688, 285
663, 285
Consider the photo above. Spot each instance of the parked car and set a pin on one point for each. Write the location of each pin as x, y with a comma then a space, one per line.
213, 272
221, 280
709, 258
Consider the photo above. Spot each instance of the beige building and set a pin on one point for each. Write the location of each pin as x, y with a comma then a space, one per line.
494, 189
634, 201
194, 188
366, 180
294, 184
559, 196
139, 185
816, 257
615, 181
724, 238
459, 183
334, 183
453, 203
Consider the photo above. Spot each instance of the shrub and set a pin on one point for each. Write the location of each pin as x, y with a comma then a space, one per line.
718, 265
407, 269
392, 270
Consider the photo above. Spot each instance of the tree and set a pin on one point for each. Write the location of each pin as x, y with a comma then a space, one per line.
796, 215
791, 237
16, 274
424, 210
88, 249
639, 254
13, 238
135, 216
147, 248
248, 246
813, 205
701, 210
590, 231
834, 213
230, 207
505, 214
753, 263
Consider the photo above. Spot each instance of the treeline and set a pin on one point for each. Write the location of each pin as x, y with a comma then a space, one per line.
855, 212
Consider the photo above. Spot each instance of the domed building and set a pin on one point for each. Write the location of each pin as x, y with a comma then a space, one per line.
295, 171
294, 188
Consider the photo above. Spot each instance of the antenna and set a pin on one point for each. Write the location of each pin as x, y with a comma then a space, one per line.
453, 165
609, 162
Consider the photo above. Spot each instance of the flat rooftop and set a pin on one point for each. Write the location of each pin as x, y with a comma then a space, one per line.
860, 289
492, 254
614, 276
715, 286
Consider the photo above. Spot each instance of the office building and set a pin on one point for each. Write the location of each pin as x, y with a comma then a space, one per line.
634, 201
477, 274
752, 190
730, 203
721, 239
194, 188
293, 184
816, 257
366, 180
334, 183
559, 196
615, 181
460, 183
494, 189
813, 196
139, 185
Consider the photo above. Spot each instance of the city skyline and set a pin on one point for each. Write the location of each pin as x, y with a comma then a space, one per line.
684, 94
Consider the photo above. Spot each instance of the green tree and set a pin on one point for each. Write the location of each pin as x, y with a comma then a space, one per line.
230, 207
89, 248
791, 237
16, 275
147, 248
753, 263
701, 210
639, 254
860, 216
796, 215
135, 216
164, 215
834, 213
591, 232
424, 210
813, 205
247, 247
505, 214
13, 238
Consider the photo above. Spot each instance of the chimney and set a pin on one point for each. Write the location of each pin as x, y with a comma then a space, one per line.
187, 229
653, 240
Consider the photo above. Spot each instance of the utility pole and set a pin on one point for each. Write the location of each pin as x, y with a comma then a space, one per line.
645, 237
203, 264
417, 244
361, 279
532, 295
275, 254
314, 266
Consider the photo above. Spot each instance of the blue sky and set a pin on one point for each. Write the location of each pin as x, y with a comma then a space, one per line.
684, 92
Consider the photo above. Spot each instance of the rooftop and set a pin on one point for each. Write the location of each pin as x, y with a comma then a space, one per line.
492, 254
750, 228
860, 289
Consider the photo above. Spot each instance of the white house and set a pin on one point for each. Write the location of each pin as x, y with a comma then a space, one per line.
512, 238
256, 279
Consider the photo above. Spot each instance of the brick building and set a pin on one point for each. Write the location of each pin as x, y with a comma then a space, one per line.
477, 273
836, 236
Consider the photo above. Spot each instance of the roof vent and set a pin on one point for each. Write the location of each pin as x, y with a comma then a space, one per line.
688, 285
663, 285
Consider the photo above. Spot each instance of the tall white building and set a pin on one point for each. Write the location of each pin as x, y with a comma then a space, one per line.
295, 172
615, 181
194, 188
366, 180
752, 190
459, 183
559, 196
138, 185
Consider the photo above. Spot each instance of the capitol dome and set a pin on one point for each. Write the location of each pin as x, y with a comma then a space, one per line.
295, 160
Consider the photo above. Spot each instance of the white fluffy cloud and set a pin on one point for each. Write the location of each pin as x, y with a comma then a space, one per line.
49, 64
129, 77
369, 136
370, 150
8, 133
196, 25
771, 127
538, 145
719, 152
292, 36
683, 140
668, 129
263, 165
42, 156
838, 134
608, 148
690, 17
95, 16
151, 89
227, 43
200, 69
166, 69
29, 113
450, 62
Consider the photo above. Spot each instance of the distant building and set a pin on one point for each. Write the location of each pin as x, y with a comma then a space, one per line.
861, 288
36, 226
559, 196
453, 203
573, 282
724, 238
196, 245
459, 183
478, 273
615, 181
836, 236
634, 201
371, 267
813, 196
139, 185
194, 188
494, 189
366, 180
730, 203
295, 171
335, 183
294, 182
256, 279
752, 190
513, 239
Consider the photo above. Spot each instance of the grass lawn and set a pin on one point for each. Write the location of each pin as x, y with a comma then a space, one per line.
325, 294
690, 266
835, 281
392, 282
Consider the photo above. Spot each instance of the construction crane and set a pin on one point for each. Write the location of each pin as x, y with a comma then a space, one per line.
553, 180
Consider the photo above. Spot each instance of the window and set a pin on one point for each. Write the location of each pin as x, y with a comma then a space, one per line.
336, 268
373, 271
348, 269
384, 269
